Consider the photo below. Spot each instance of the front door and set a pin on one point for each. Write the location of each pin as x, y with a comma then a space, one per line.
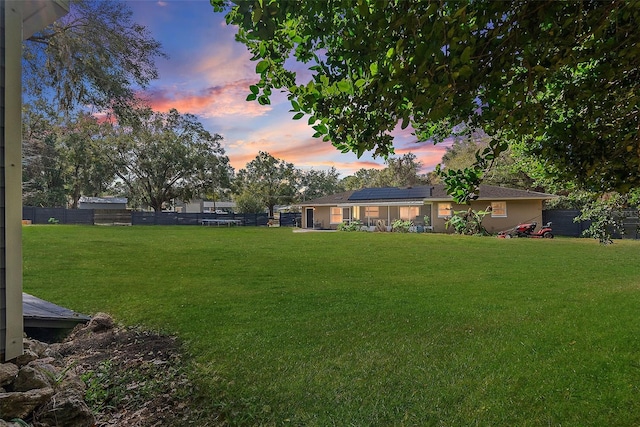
309, 222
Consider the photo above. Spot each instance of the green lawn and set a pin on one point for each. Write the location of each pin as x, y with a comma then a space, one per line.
369, 329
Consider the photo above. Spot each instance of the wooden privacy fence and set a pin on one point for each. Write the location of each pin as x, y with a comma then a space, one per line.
37, 215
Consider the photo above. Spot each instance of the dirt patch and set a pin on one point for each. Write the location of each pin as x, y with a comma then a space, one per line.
133, 377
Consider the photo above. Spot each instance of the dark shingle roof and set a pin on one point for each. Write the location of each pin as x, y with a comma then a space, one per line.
426, 193
391, 193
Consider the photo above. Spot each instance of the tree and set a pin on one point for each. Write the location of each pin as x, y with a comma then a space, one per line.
94, 56
88, 170
271, 180
315, 183
363, 178
161, 156
247, 202
42, 169
403, 171
64, 157
506, 169
547, 73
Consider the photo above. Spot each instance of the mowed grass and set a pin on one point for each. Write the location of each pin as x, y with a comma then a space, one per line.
369, 329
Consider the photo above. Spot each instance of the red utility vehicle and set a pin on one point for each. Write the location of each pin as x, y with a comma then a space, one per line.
527, 230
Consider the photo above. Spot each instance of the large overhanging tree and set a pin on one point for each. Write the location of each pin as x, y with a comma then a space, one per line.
95, 56
560, 76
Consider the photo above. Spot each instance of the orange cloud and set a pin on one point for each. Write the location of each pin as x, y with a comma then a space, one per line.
215, 101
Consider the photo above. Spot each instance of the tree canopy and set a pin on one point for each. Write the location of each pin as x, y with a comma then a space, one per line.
561, 77
161, 156
95, 56
271, 181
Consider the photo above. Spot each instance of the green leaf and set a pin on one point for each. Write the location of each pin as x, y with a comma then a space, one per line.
254, 89
373, 67
465, 57
344, 86
390, 52
262, 66
298, 116
251, 97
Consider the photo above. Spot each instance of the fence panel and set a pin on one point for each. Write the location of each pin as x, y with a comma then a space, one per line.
39, 215
563, 224
79, 216
290, 219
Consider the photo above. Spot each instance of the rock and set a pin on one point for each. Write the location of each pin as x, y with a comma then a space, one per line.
4, 423
25, 358
35, 376
35, 346
66, 408
8, 373
20, 404
101, 322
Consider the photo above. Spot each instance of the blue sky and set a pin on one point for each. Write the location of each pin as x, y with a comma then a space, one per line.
208, 74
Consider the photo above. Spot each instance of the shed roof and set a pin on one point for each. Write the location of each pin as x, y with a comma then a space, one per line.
107, 200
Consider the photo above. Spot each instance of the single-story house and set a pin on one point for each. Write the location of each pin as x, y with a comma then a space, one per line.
102, 203
425, 205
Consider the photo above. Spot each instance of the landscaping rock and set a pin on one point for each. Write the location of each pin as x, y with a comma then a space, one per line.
26, 357
8, 373
35, 376
20, 404
35, 346
66, 408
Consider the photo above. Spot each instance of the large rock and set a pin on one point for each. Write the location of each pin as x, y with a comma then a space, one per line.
67, 408
8, 373
26, 357
35, 376
20, 404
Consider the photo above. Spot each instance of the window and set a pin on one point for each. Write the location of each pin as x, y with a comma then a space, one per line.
371, 211
409, 212
498, 209
336, 215
444, 210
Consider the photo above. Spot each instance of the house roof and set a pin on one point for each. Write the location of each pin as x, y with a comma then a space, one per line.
433, 193
493, 192
106, 200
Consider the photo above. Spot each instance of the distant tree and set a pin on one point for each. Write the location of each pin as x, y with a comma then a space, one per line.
505, 170
248, 202
88, 170
161, 156
403, 171
563, 77
42, 168
316, 183
363, 178
63, 157
271, 180
95, 56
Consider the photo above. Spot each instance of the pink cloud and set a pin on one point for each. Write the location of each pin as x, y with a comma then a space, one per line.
215, 101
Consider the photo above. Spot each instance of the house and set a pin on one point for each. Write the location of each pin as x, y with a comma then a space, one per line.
425, 205
102, 203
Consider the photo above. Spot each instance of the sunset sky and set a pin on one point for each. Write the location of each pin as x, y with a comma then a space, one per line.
208, 74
